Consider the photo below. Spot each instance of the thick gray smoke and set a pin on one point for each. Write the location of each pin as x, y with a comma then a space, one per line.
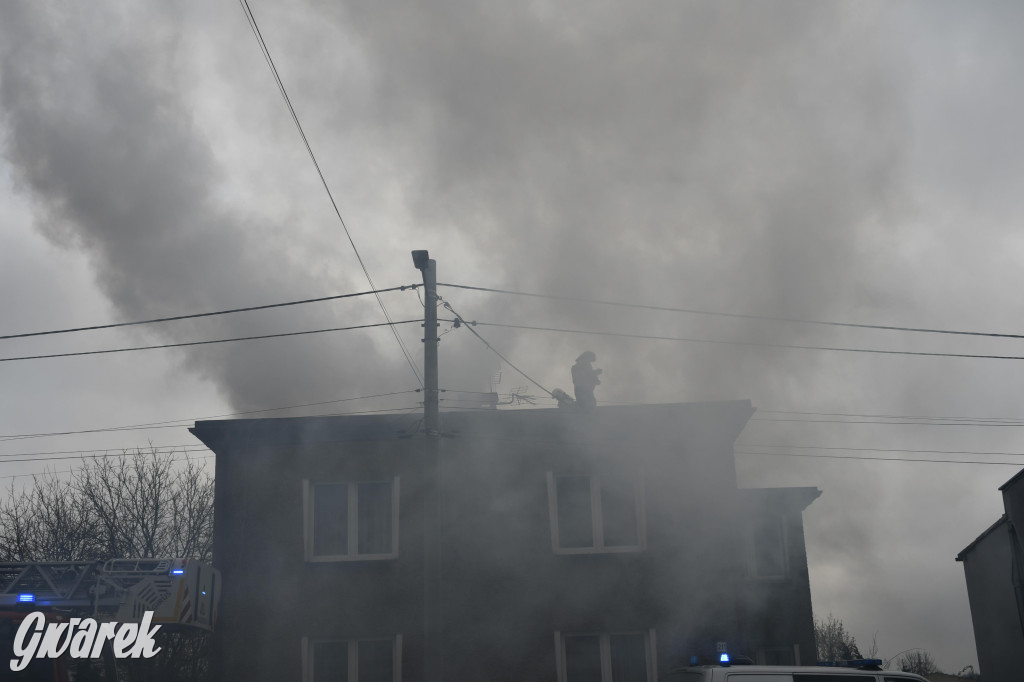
728, 155
739, 152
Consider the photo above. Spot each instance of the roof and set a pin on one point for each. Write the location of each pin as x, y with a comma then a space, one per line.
721, 420
792, 498
988, 531
1017, 477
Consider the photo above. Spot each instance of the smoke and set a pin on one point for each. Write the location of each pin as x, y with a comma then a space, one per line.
103, 138
740, 152
736, 156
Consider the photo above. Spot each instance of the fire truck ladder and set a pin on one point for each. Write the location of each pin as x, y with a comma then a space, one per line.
179, 592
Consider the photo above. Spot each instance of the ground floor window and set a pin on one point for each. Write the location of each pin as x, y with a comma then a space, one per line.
778, 655
352, 660
605, 657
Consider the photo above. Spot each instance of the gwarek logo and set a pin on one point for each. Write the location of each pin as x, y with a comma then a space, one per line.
81, 638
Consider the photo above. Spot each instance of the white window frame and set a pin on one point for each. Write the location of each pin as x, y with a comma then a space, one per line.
308, 493
597, 516
650, 650
780, 522
353, 656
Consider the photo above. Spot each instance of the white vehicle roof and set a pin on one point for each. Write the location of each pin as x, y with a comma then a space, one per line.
786, 673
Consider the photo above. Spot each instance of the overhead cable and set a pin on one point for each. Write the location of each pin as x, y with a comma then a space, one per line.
138, 453
295, 119
203, 343
882, 421
927, 452
173, 423
876, 459
71, 471
995, 420
771, 318
469, 325
210, 314
763, 344
188, 447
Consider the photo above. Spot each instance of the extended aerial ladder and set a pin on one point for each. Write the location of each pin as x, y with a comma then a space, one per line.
181, 593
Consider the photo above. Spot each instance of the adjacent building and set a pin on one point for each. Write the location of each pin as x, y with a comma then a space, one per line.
557, 545
994, 568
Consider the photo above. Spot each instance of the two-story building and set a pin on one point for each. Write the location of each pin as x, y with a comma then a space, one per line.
553, 544
994, 569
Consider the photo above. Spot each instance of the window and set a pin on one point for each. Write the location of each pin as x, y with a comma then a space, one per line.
613, 657
768, 548
353, 660
596, 513
779, 655
351, 521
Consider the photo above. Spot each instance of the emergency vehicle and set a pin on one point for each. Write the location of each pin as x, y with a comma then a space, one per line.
183, 594
861, 670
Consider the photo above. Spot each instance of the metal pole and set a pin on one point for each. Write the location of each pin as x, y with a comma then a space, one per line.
433, 663
431, 405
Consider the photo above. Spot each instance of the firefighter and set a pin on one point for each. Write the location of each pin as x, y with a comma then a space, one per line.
584, 379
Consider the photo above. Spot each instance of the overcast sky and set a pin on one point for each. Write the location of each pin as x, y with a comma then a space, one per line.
847, 161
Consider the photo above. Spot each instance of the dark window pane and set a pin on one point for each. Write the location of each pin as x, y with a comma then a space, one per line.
629, 658
583, 658
330, 519
330, 662
375, 517
618, 510
375, 661
769, 549
825, 677
779, 657
575, 519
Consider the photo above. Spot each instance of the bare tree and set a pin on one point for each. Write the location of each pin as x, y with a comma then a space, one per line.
918, 661
832, 640
47, 522
141, 504
873, 649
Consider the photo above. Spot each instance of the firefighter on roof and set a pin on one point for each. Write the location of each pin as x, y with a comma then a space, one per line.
584, 379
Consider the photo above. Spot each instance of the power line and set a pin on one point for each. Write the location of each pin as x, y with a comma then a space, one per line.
930, 452
746, 343
736, 315
880, 421
71, 471
210, 314
172, 423
877, 459
203, 343
1014, 420
188, 447
295, 119
558, 441
461, 322
138, 453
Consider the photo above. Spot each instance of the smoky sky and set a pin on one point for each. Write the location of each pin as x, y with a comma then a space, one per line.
807, 160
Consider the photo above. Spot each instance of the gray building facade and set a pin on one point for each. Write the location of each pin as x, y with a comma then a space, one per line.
550, 545
994, 569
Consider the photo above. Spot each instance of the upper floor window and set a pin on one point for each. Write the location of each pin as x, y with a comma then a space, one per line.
596, 513
768, 553
353, 660
605, 657
351, 521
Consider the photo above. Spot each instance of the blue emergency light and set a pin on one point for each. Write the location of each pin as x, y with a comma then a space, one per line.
178, 571
723, 658
26, 598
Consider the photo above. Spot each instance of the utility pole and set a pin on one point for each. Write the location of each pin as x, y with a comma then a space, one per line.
433, 630
428, 266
